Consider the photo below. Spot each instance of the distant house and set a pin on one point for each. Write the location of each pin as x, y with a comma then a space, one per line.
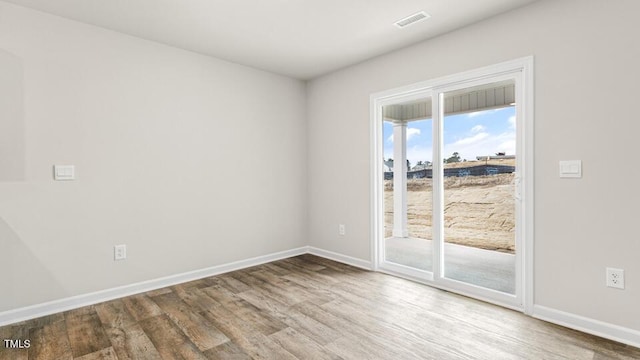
422, 166
495, 157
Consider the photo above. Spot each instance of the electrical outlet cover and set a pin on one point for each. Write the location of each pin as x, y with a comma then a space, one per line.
615, 278
119, 252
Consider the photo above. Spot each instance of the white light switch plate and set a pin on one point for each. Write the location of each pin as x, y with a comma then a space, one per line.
64, 172
571, 169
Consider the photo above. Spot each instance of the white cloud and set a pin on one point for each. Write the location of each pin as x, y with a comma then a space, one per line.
478, 128
471, 139
411, 132
508, 146
512, 122
481, 113
482, 144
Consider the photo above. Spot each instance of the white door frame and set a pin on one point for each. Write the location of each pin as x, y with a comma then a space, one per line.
522, 71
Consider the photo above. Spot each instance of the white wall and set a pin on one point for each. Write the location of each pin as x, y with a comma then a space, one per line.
190, 161
586, 75
12, 141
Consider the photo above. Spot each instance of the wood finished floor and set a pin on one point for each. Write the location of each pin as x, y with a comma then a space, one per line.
304, 307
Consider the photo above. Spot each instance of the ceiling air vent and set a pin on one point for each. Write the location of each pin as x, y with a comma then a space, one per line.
412, 19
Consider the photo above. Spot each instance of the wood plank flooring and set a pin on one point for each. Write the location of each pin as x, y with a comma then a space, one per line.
304, 307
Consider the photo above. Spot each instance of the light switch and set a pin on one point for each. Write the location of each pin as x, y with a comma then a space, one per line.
64, 172
571, 169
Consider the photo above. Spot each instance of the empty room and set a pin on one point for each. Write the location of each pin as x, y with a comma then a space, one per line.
311, 179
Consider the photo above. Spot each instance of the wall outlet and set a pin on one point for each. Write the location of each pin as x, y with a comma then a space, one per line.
342, 230
119, 252
615, 278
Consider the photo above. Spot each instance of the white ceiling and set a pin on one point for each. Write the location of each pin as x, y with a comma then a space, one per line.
298, 38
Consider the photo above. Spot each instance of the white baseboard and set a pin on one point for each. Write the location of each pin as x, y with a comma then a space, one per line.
588, 325
345, 259
56, 306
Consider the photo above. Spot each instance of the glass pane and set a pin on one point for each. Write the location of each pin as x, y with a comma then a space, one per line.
407, 132
479, 133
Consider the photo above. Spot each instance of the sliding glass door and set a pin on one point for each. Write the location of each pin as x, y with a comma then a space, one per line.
448, 189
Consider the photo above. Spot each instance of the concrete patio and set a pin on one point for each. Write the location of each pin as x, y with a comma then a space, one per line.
486, 268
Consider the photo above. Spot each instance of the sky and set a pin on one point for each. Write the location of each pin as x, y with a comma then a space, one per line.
474, 134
